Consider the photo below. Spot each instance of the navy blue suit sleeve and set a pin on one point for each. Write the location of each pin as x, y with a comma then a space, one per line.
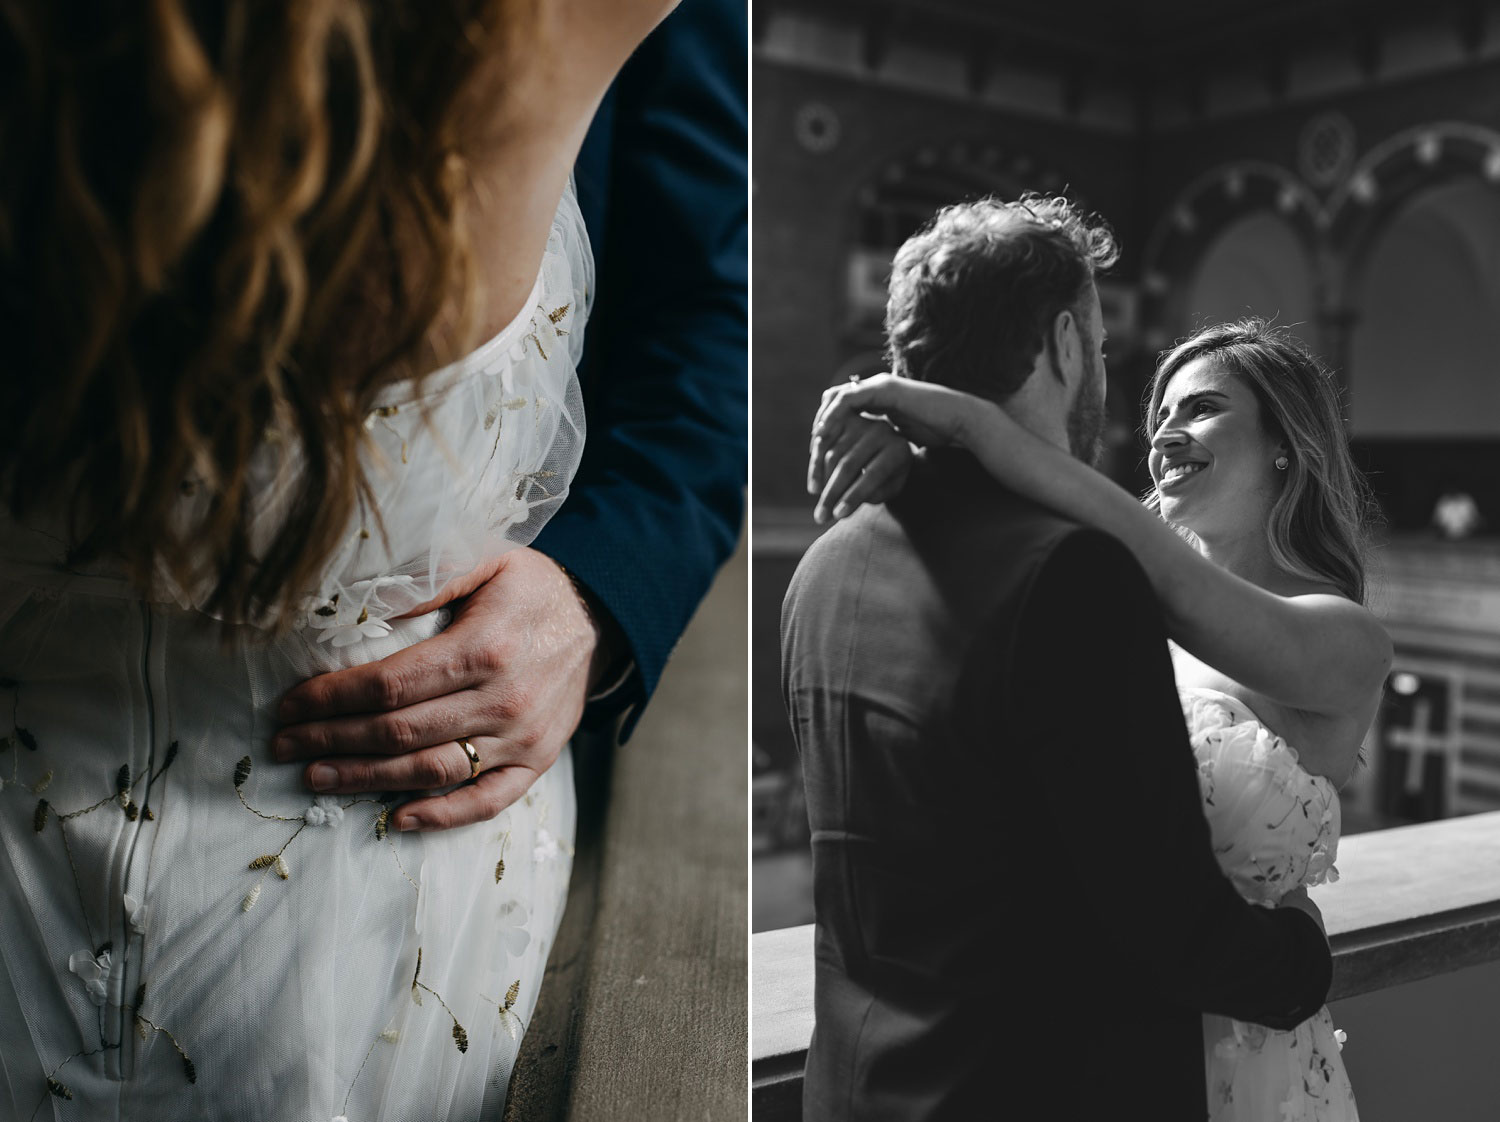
1136, 837
658, 500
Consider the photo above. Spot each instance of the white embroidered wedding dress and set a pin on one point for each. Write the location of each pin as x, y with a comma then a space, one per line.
1275, 828
185, 932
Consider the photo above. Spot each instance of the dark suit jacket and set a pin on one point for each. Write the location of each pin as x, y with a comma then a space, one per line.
1015, 891
662, 181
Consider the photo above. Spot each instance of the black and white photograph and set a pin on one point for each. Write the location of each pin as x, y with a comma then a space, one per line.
1125, 529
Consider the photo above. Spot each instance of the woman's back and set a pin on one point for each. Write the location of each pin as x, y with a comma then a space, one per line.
161, 874
187, 933
223, 222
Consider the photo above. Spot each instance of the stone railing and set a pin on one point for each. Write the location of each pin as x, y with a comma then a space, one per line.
1415, 902
642, 1011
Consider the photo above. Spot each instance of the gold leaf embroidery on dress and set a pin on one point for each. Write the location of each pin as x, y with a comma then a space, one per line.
380, 415
144, 1026
418, 987
189, 1069
508, 1016
45, 813
241, 773
316, 815
387, 1036
382, 833
500, 864
325, 811
494, 415
534, 477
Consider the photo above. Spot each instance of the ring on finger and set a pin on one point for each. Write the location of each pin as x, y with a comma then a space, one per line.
474, 768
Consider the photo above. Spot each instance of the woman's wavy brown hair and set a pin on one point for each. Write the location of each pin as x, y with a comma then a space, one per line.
218, 220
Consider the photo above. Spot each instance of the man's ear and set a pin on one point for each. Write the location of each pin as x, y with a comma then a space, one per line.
1067, 346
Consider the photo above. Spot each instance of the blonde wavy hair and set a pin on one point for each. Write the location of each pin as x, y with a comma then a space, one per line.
1320, 525
218, 220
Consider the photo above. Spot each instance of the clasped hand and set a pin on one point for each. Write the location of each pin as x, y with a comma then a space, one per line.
1299, 899
510, 675
862, 436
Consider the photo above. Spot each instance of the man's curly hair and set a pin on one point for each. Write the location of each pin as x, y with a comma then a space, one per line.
974, 293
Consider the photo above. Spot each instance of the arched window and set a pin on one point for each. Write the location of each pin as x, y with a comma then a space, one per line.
1428, 329
1257, 266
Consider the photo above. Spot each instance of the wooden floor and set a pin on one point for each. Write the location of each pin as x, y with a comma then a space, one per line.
643, 1012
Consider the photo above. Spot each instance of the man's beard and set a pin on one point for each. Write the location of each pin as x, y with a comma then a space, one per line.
1086, 428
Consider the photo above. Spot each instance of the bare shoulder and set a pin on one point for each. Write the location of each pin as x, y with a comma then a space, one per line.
524, 117
606, 29
545, 83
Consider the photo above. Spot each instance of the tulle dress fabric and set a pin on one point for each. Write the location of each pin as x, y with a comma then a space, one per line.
186, 932
1275, 828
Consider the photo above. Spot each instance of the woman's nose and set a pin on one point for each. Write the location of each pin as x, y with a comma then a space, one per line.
1168, 436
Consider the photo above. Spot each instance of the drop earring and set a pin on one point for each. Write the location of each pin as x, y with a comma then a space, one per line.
1281, 463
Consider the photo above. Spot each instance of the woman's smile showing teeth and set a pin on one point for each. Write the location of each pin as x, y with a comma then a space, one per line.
1179, 471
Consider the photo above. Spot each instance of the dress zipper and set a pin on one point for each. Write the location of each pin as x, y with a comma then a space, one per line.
132, 945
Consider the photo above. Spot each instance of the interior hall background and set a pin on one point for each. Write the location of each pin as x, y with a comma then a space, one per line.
1332, 164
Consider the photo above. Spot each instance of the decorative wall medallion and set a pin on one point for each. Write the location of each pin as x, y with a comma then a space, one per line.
1325, 151
817, 127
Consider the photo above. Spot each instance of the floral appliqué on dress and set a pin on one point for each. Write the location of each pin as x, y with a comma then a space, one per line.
1275, 828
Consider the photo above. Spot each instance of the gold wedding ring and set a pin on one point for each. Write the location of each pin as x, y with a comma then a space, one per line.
474, 768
